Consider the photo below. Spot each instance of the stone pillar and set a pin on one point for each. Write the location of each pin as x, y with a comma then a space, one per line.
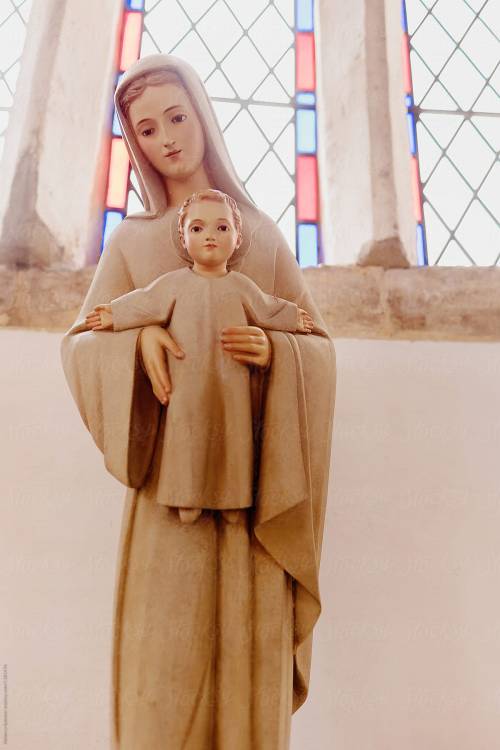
51, 192
363, 147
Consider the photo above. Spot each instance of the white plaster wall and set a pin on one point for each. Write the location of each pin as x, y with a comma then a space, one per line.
407, 650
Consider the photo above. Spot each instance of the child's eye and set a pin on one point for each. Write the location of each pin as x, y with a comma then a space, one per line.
174, 118
223, 226
195, 229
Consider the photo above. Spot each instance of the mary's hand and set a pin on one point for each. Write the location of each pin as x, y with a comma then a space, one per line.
153, 342
247, 344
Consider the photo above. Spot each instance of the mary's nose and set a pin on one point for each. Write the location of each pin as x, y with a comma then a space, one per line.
167, 140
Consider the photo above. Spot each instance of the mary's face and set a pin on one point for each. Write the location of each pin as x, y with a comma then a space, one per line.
168, 130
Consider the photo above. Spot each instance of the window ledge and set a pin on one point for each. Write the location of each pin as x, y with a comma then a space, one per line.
429, 303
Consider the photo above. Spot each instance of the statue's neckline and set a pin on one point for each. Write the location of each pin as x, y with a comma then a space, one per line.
210, 278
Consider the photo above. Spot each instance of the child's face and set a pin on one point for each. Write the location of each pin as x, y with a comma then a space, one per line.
210, 235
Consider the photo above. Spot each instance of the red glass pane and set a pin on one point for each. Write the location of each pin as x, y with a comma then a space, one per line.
307, 188
415, 178
118, 175
131, 46
405, 52
305, 69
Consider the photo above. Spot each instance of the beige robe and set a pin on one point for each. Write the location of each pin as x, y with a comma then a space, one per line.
206, 434
213, 620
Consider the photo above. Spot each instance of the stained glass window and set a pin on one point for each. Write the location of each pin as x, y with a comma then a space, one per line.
451, 54
260, 75
14, 16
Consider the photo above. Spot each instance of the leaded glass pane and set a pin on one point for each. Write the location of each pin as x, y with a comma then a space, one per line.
14, 16
455, 53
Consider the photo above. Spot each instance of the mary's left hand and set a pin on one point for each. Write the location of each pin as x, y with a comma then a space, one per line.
247, 344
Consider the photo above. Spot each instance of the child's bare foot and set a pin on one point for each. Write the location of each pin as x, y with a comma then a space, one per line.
231, 516
189, 515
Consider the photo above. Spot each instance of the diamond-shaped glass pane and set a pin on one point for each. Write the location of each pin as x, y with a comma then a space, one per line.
462, 80
454, 15
167, 23
454, 255
481, 45
271, 186
192, 48
479, 233
471, 154
219, 30
244, 130
433, 44
271, 120
448, 193
245, 68
271, 35
442, 126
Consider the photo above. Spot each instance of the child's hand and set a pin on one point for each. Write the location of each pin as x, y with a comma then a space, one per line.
100, 319
306, 323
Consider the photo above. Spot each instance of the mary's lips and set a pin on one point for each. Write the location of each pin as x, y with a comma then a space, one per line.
173, 153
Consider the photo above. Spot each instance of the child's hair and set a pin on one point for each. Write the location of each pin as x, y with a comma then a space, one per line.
210, 194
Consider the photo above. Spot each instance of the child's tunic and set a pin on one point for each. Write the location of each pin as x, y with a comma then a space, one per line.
208, 440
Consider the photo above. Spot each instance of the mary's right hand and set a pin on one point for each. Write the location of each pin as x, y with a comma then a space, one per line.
153, 341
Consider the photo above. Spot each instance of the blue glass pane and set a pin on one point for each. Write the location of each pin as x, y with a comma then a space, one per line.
306, 98
306, 131
404, 20
111, 221
307, 236
116, 129
421, 247
135, 4
304, 15
412, 136
409, 100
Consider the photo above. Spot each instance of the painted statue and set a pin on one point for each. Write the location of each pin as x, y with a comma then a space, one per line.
213, 619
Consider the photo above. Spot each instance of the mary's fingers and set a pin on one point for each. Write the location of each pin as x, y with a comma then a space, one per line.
171, 344
244, 347
160, 373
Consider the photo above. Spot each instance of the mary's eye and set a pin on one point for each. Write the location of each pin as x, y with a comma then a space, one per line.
175, 117
147, 131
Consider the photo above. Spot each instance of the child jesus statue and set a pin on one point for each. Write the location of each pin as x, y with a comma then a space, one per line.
208, 443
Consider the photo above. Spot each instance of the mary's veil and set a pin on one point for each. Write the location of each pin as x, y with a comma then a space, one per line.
217, 157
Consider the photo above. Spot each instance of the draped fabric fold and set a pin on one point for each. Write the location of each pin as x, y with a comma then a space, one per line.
112, 391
